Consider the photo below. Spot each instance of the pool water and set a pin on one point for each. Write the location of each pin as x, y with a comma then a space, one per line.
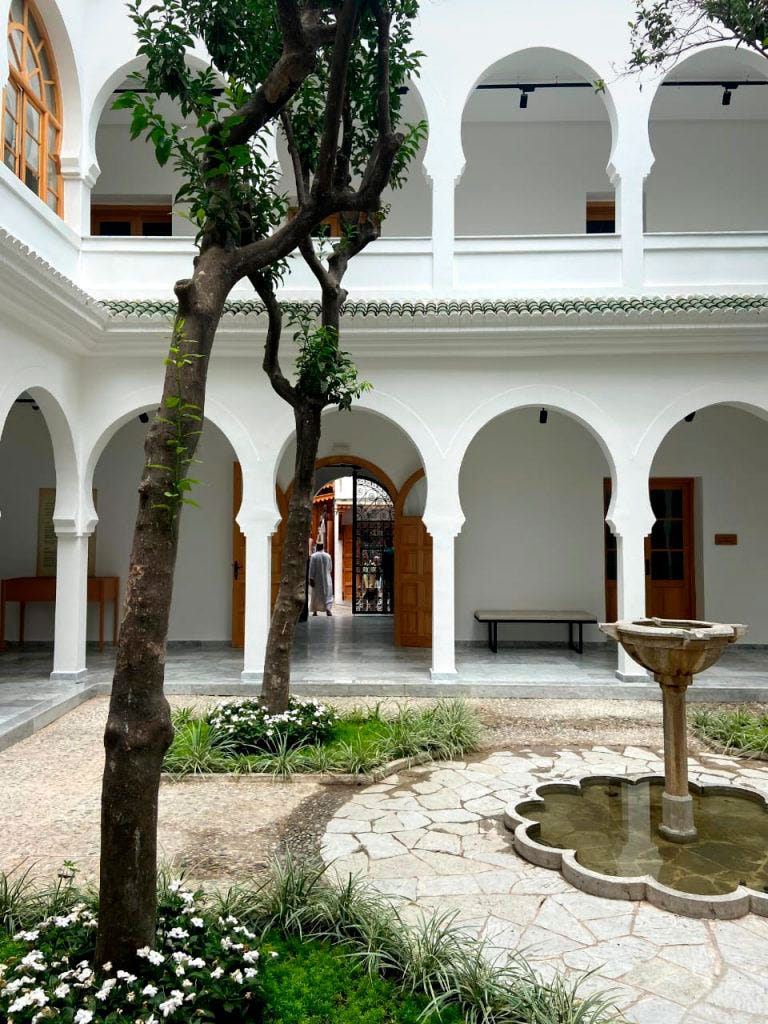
613, 827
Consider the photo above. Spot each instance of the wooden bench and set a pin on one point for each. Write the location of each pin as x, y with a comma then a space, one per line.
570, 619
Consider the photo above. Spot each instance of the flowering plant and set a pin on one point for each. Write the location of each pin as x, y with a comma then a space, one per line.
250, 728
202, 968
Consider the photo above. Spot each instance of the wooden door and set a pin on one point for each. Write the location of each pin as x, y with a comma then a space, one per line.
413, 583
346, 562
238, 563
670, 580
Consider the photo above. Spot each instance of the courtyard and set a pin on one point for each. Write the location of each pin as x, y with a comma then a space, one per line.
432, 839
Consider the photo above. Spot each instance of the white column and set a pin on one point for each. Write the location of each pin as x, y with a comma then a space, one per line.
443, 603
630, 222
630, 593
443, 233
258, 593
71, 607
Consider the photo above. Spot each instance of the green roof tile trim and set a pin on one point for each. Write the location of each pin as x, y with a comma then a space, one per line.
649, 304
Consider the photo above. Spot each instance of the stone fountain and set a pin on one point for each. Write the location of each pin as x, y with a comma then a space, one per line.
674, 651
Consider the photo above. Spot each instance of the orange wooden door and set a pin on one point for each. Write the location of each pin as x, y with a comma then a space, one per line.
346, 562
670, 579
413, 583
238, 563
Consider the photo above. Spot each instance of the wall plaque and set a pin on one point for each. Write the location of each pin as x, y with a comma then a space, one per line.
728, 539
46, 535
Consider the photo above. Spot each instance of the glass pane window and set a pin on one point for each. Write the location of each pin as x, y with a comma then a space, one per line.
667, 565
31, 125
667, 533
667, 502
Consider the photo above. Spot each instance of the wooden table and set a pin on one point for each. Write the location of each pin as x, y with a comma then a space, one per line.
29, 589
571, 619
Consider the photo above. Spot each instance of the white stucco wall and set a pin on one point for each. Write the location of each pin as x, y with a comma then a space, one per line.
532, 495
202, 600
363, 434
726, 450
26, 465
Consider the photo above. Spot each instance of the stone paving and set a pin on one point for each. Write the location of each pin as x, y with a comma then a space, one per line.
433, 839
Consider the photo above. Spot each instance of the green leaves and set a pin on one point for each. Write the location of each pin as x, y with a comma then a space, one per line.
663, 30
323, 371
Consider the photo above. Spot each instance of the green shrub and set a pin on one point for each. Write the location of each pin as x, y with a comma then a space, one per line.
251, 729
739, 730
198, 748
311, 982
239, 738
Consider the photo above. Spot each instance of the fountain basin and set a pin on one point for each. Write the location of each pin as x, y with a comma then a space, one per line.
673, 649
602, 834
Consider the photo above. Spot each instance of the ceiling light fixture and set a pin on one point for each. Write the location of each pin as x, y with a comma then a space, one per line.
143, 417
689, 417
543, 416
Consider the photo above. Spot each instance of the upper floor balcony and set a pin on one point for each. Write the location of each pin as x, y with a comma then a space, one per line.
532, 183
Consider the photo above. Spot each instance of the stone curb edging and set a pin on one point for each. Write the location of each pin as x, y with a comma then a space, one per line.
322, 778
642, 887
718, 748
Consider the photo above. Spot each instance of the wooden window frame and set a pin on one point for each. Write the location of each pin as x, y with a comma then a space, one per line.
49, 119
135, 214
600, 210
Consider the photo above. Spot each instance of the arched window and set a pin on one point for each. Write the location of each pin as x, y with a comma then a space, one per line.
32, 106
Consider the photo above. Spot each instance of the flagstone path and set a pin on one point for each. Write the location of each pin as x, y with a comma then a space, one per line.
433, 838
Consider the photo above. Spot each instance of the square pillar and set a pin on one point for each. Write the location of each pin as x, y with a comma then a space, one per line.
71, 608
443, 233
630, 222
630, 594
443, 606
258, 603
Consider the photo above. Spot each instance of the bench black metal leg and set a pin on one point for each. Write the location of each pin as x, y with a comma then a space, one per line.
577, 646
495, 638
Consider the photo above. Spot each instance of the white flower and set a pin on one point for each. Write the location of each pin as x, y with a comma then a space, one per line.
149, 990
61, 990
250, 972
150, 954
171, 1005
273, 954
106, 988
175, 885
251, 956
186, 983
237, 976
25, 936
126, 977
198, 922
178, 933
197, 962
107, 966
217, 972
83, 1017
130, 996
35, 960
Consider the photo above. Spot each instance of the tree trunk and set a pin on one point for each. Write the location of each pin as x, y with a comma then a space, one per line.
139, 730
275, 688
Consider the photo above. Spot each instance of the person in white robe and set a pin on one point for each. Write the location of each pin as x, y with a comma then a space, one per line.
320, 581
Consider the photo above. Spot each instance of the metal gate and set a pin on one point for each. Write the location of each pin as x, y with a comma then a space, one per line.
373, 553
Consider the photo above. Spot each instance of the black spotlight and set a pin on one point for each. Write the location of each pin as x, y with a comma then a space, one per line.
689, 417
543, 416
143, 417
523, 99
727, 95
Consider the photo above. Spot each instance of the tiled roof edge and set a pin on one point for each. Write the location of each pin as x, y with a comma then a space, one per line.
641, 306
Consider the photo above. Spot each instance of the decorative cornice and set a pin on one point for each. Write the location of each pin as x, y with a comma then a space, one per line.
749, 306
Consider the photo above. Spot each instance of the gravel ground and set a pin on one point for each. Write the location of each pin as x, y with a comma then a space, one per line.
223, 829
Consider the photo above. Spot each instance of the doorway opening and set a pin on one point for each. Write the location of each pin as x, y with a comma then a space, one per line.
670, 584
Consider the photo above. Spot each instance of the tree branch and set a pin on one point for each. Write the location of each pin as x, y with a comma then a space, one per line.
289, 18
301, 176
346, 23
271, 364
383, 22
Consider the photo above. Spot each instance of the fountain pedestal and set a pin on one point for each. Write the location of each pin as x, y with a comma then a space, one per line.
674, 651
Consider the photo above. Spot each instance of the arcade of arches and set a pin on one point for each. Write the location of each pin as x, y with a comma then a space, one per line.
533, 493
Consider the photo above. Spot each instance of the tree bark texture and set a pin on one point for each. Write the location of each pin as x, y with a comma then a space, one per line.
139, 730
275, 690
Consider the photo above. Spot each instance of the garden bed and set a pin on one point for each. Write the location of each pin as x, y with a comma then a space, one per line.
738, 732
297, 949
316, 741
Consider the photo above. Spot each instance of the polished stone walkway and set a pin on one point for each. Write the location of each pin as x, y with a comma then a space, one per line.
433, 839
348, 654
